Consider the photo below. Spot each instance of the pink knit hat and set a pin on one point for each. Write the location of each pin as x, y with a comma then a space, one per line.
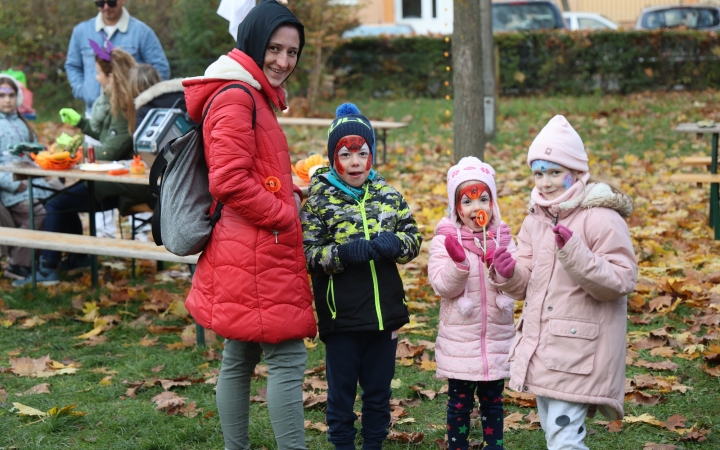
558, 142
471, 168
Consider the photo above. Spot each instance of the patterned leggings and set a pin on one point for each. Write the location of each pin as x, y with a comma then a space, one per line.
461, 404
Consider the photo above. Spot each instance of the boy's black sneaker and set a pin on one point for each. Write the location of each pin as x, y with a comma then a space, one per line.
16, 272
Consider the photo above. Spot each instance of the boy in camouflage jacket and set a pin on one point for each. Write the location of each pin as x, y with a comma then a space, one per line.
355, 229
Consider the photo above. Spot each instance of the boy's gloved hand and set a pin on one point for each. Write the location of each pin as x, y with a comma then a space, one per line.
64, 139
69, 115
357, 252
387, 244
455, 250
504, 263
562, 235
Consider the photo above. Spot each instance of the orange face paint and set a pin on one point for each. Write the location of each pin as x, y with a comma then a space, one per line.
353, 143
473, 192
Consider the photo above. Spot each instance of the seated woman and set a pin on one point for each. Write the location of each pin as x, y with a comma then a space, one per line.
112, 123
14, 129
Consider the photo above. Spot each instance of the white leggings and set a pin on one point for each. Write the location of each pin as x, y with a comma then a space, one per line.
563, 423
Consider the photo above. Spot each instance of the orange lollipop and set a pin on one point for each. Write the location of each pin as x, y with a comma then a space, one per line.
482, 219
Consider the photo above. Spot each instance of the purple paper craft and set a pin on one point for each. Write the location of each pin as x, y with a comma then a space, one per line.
104, 51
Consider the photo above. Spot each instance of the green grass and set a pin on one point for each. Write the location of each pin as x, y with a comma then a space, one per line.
611, 128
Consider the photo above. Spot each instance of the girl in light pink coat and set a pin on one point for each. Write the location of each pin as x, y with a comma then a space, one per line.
476, 320
574, 266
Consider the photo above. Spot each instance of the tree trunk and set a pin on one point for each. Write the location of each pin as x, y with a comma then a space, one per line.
468, 117
488, 69
317, 71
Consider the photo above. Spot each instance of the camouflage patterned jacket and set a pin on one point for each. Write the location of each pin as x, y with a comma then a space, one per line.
357, 297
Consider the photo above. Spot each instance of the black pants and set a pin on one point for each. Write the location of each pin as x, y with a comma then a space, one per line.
460, 405
366, 357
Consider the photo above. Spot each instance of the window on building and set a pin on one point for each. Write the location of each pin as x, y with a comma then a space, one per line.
434, 8
412, 9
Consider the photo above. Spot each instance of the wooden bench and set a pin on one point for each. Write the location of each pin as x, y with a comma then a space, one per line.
77, 243
697, 161
712, 163
698, 178
378, 125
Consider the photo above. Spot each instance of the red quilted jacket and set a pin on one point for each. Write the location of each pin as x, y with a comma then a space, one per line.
250, 283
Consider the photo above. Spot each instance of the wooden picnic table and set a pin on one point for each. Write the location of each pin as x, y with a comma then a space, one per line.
714, 131
28, 170
380, 125
31, 170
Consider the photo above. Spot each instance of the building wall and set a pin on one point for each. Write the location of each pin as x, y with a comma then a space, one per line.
373, 12
624, 12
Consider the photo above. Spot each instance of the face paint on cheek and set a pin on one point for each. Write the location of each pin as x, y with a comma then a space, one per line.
368, 165
568, 181
339, 168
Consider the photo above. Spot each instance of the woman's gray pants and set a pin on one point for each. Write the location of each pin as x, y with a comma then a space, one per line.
286, 368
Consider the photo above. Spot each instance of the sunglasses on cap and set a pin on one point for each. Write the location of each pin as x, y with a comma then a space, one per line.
110, 3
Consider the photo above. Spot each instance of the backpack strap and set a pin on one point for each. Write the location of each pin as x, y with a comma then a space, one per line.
232, 86
219, 206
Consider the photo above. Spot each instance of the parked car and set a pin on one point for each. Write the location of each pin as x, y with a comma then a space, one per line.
387, 29
576, 20
697, 17
526, 15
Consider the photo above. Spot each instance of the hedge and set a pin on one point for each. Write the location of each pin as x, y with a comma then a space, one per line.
560, 62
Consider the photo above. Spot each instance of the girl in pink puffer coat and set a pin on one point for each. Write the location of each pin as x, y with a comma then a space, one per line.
476, 320
574, 266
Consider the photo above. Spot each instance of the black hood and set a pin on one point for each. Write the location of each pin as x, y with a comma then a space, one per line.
258, 26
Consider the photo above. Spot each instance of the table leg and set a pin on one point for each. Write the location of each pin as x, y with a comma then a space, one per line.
31, 202
199, 330
93, 231
714, 206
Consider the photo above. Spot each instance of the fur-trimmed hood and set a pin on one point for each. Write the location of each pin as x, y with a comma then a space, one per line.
156, 90
597, 195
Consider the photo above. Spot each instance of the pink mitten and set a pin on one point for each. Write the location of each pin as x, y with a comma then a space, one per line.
454, 249
504, 263
489, 258
562, 235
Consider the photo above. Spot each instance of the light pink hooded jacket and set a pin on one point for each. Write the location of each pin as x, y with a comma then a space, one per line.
570, 339
472, 348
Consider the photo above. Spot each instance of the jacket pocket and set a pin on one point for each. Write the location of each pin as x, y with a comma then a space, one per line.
516, 339
571, 345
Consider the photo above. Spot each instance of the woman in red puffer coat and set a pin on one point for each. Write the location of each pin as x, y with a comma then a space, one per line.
250, 285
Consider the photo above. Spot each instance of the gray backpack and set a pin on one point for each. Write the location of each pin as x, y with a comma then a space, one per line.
180, 188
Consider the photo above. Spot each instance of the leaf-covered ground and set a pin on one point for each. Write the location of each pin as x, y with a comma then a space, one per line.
118, 368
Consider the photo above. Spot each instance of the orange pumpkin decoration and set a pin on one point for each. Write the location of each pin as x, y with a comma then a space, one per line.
303, 166
47, 161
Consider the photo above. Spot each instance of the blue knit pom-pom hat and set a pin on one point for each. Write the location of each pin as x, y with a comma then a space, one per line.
349, 122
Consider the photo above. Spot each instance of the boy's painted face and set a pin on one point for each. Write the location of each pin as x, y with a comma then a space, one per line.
472, 197
101, 78
353, 160
551, 179
8, 99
